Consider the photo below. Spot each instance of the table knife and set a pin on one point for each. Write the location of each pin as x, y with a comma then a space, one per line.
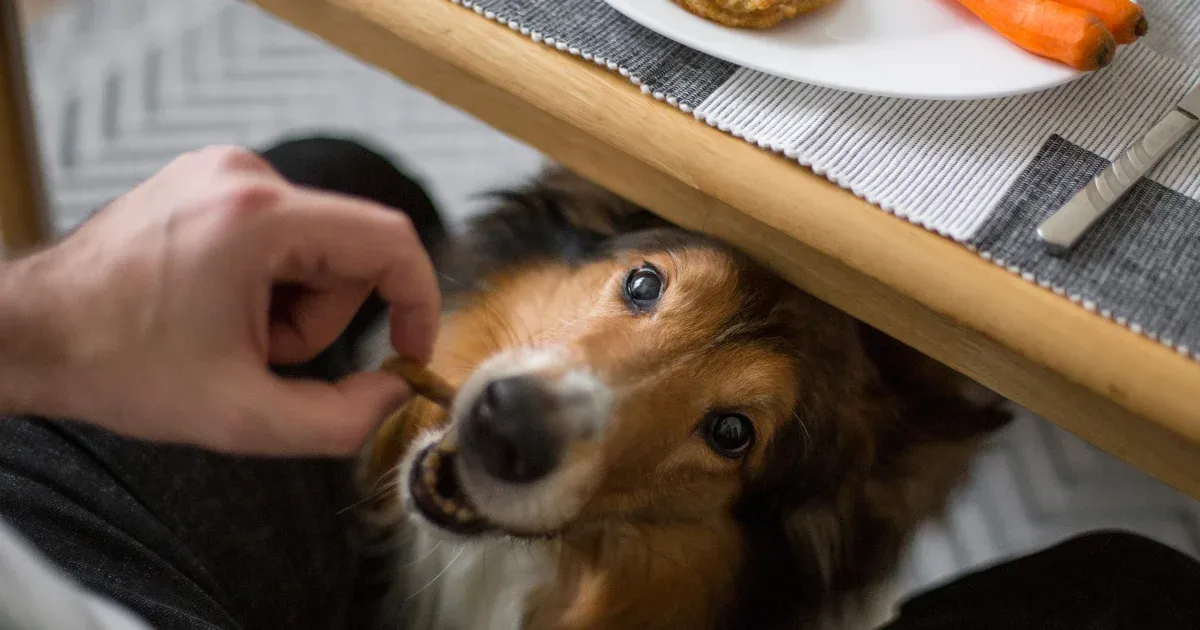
1065, 227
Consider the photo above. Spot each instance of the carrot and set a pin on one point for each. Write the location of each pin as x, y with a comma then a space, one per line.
1049, 29
1126, 20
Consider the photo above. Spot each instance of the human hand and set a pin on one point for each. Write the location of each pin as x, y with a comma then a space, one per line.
157, 318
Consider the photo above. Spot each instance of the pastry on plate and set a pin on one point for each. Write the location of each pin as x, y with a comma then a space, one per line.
751, 13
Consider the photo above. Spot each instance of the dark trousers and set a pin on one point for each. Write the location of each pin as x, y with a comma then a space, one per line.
191, 540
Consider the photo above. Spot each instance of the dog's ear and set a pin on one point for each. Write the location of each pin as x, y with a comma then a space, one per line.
938, 403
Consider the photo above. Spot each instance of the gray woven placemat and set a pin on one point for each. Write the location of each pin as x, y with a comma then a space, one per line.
984, 173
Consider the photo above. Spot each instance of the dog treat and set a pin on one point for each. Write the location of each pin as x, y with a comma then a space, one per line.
751, 13
424, 382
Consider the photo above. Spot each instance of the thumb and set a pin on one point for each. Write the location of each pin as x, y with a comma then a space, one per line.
312, 418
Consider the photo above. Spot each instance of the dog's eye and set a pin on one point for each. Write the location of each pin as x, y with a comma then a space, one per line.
643, 287
730, 434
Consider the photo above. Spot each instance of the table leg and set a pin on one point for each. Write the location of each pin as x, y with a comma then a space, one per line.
24, 219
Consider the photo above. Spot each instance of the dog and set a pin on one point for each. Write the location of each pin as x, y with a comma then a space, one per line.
652, 430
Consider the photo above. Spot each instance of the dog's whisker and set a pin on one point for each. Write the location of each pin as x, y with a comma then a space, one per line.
426, 556
461, 549
392, 482
808, 440
374, 495
447, 278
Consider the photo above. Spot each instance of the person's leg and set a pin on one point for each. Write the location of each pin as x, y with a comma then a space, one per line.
189, 539
1099, 581
183, 538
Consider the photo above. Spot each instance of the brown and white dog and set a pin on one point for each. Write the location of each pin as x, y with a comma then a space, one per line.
652, 431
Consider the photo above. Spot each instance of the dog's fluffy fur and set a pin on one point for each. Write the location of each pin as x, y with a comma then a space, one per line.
642, 525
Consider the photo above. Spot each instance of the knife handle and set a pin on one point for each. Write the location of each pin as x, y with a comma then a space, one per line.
1063, 229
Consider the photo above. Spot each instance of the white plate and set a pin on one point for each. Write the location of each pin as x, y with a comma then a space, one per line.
926, 49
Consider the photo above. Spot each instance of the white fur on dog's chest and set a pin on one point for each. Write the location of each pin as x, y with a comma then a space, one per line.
480, 585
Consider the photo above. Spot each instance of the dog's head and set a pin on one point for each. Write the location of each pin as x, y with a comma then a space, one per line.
665, 381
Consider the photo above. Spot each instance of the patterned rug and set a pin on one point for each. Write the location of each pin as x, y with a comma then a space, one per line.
124, 85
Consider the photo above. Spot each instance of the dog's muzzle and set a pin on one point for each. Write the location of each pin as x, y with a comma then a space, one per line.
510, 460
511, 431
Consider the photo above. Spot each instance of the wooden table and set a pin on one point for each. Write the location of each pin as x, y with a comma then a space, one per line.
24, 221
1129, 395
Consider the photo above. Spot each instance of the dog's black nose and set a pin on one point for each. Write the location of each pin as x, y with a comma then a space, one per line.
509, 430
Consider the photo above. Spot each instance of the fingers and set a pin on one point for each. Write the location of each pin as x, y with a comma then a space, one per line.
324, 239
225, 159
305, 322
299, 418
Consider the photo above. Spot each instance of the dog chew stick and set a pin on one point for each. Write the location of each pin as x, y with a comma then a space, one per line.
424, 382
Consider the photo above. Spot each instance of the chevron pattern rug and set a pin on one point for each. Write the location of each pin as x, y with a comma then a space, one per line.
122, 86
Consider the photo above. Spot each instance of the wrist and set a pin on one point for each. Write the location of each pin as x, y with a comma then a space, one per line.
34, 336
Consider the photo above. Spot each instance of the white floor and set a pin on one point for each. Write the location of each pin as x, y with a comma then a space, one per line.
123, 85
